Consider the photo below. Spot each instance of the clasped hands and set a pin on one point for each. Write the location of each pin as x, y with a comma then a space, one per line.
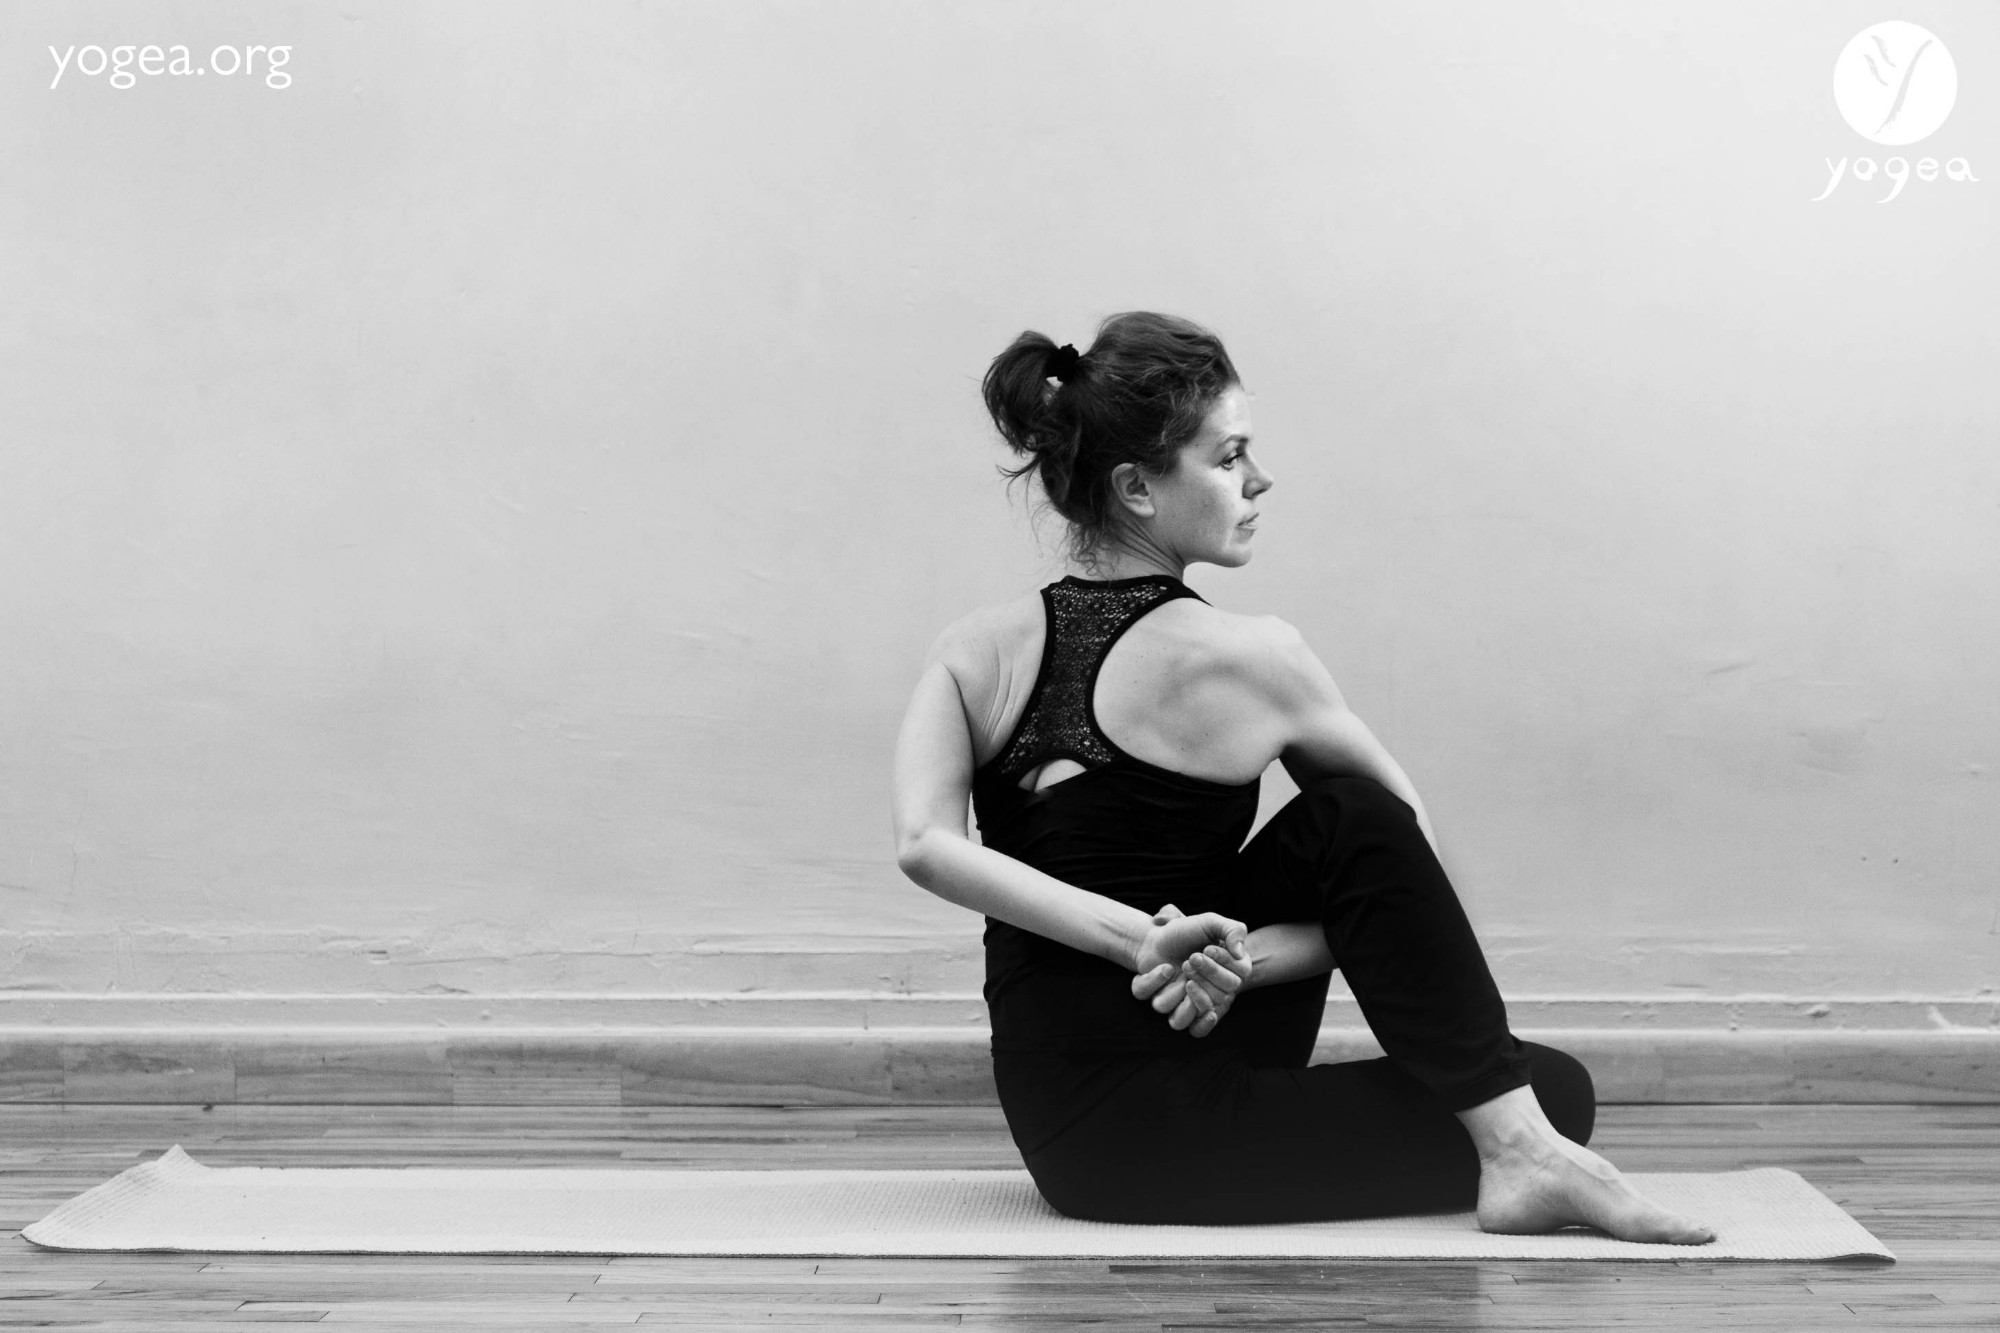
1191, 968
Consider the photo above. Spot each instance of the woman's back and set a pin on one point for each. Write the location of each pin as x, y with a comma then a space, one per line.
1186, 687
1054, 789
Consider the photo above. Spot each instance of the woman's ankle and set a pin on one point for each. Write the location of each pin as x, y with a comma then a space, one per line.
1514, 1120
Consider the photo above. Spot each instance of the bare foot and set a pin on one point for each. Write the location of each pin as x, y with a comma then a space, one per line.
1540, 1181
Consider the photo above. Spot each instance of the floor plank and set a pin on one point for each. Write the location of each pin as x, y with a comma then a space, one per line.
1924, 1178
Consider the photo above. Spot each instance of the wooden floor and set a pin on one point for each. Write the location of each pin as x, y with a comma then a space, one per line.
1926, 1179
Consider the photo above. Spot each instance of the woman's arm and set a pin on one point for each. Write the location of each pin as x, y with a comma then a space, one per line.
933, 781
1290, 951
933, 784
1321, 734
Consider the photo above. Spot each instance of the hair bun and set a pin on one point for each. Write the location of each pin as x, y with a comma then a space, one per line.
1152, 379
1063, 362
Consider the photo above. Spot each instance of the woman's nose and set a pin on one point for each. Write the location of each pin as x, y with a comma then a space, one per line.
1260, 481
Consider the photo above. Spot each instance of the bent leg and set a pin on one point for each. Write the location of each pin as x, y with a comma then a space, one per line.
1276, 1025
1214, 1138
1348, 853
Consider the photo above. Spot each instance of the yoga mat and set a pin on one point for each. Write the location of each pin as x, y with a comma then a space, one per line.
175, 1203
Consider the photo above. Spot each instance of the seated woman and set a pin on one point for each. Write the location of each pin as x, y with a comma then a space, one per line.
1155, 983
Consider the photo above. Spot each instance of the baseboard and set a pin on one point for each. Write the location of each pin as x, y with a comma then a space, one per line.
862, 1048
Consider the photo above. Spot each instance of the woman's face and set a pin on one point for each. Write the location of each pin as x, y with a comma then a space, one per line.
1206, 508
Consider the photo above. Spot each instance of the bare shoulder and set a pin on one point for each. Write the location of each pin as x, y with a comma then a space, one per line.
1265, 653
1207, 692
975, 643
993, 654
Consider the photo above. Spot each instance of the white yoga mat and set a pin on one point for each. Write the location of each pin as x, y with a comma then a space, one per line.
175, 1203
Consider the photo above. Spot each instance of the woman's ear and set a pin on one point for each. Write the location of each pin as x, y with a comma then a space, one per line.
1129, 488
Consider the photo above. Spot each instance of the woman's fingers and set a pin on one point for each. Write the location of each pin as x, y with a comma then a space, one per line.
1205, 1010
1208, 1004
1236, 958
1206, 961
1223, 929
1229, 962
1217, 976
1201, 995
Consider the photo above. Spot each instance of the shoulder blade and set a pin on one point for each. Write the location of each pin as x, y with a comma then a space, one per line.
1196, 689
994, 654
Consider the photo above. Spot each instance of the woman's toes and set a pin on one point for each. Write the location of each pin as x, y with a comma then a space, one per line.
1521, 1195
1687, 1231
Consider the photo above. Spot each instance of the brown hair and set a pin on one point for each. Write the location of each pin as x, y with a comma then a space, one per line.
1140, 393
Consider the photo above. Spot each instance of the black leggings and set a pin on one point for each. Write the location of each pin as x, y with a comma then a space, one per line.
1241, 1129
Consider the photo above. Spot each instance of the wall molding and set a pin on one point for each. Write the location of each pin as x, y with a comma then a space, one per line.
859, 1047
531, 959
865, 1009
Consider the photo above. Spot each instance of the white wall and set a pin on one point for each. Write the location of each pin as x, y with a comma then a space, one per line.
469, 519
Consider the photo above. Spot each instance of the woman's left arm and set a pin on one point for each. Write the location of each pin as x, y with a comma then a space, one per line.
1323, 736
1320, 736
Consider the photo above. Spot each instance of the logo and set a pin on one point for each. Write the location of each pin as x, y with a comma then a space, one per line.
1894, 84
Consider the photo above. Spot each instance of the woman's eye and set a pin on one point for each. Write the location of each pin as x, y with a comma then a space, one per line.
1231, 460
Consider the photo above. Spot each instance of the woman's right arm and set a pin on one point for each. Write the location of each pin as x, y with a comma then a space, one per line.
934, 847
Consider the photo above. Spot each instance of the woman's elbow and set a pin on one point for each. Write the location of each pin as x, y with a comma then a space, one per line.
932, 857
916, 853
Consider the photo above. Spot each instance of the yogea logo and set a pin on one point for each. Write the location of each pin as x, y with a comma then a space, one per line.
1894, 84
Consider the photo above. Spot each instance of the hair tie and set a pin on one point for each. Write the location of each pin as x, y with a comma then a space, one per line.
1063, 362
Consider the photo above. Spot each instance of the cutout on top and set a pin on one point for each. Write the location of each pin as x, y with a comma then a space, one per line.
1049, 774
1058, 736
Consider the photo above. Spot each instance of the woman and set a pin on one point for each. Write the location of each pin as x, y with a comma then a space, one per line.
1156, 984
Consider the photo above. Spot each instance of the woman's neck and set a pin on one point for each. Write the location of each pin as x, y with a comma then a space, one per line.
1123, 562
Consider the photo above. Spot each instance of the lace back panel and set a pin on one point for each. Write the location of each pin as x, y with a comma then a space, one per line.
1084, 620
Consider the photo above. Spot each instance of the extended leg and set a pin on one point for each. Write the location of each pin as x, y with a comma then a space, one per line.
1214, 1138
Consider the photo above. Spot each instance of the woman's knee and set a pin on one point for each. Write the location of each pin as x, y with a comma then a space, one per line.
1345, 799
1350, 816
1565, 1090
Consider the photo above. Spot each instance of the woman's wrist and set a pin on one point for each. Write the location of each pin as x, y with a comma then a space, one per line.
1289, 951
1130, 932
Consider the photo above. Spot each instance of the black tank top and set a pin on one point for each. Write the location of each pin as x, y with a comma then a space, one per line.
1130, 830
